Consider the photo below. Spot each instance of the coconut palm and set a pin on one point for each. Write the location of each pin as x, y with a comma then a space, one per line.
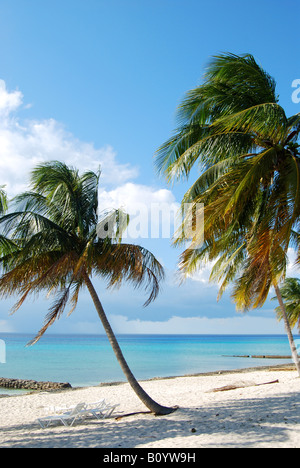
290, 292
55, 227
247, 151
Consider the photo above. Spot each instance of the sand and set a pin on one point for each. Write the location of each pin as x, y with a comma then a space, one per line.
265, 416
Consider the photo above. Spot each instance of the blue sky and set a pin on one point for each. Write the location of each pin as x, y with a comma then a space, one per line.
97, 82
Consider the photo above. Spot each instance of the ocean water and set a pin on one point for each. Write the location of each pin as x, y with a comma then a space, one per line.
84, 360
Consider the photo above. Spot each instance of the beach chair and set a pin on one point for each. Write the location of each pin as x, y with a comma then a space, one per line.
67, 419
100, 409
108, 410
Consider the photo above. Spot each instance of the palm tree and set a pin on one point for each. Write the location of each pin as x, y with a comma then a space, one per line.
55, 229
247, 151
290, 292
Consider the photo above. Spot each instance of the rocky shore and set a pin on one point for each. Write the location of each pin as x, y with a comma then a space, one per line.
20, 384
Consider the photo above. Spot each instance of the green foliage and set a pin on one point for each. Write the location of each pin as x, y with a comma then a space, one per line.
54, 230
290, 292
233, 130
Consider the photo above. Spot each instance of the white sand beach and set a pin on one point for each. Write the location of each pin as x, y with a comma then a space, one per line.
264, 416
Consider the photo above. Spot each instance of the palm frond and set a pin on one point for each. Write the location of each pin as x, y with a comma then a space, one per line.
290, 291
267, 122
231, 83
54, 314
129, 263
49, 243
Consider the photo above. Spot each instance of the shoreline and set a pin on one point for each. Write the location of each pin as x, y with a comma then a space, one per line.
279, 367
56, 387
285, 367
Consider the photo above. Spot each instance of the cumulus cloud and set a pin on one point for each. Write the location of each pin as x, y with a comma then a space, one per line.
177, 325
202, 275
197, 325
153, 212
24, 144
9, 101
27, 143
292, 268
6, 327
130, 196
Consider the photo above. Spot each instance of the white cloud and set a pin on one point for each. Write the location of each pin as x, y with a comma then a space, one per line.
203, 273
9, 101
176, 325
292, 269
6, 327
25, 144
198, 325
130, 196
152, 211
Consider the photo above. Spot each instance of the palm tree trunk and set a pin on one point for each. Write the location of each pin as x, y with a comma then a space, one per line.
140, 392
288, 329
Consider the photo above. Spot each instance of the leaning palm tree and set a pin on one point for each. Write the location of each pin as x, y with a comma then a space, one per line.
55, 227
247, 151
290, 292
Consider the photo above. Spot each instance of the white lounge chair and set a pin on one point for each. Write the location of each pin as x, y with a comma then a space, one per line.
108, 410
100, 409
67, 419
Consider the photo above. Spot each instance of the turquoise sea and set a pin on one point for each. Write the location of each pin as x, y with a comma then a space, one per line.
84, 360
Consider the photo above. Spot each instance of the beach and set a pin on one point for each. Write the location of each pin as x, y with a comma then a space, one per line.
253, 415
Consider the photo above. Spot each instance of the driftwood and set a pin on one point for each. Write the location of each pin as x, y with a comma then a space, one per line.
241, 385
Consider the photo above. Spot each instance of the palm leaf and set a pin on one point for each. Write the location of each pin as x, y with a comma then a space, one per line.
52, 244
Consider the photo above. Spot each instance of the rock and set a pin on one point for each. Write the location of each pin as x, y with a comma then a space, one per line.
32, 384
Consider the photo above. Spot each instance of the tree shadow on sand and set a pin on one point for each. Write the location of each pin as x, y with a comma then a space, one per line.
249, 422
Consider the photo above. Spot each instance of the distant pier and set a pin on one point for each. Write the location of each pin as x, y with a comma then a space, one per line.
260, 356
